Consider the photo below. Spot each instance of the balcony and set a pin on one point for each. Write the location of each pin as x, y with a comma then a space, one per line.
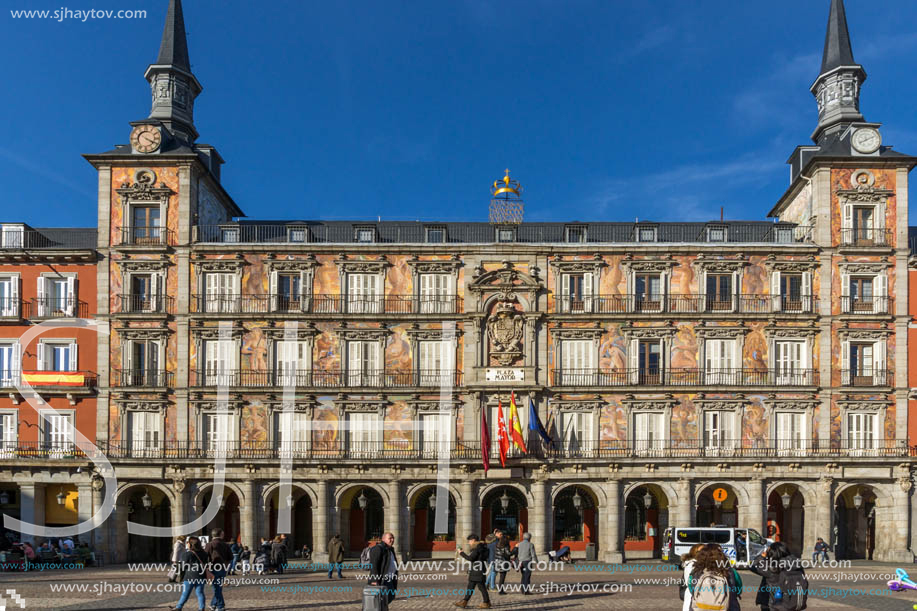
143, 304
141, 378
867, 377
62, 381
40, 450
57, 307
48, 239
146, 236
10, 309
684, 377
866, 305
866, 236
684, 304
334, 378
324, 304
457, 450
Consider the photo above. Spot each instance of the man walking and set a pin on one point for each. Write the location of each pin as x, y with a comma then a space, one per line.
383, 567
525, 553
478, 559
335, 556
220, 557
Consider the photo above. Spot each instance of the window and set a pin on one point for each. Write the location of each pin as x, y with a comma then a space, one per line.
219, 432
146, 432
790, 363
57, 432
576, 292
646, 234
576, 235
145, 293
719, 432
577, 362
435, 434
146, 225
292, 432
8, 433
363, 363
293, 363
506, 235
57, 356
220, 292
784, 235
867, 295
647, 292
364, 294
435, 365
142, 365
296, 234
863, 227
56, 295
719, 292
862, 431
649, 432
865, 364
719, 361
791, 433
436, 235
716, 233
12, 236
794, 291
289, 292
229, 235
10, 367
9, 296
365, 433
436, 294
578, 432
366, 235
649, 362
220, 362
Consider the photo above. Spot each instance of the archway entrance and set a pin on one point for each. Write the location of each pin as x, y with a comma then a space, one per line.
149, 506
300, 532
717, 504
427, 536
786, 517
362, 517
505, 508
227, 518
575, 519
11, 505
646, 516
855, 524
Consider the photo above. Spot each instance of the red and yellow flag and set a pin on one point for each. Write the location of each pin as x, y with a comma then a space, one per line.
516, 425
502, 440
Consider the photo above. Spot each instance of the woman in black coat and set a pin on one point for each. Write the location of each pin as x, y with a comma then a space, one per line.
502, 561
769, 565
278, 554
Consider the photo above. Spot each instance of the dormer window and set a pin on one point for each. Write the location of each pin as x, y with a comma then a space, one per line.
784, 235
296, 234
365, 235
576, 234
436, 235
506, 235
12, 236
716, 233
646, 234
229, 235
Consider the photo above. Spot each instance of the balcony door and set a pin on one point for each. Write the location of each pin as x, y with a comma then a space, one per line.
719, 433
9, 296
862, 432
648, 292
57, 356
719, 292
293, 363
436, 294
862, 364
790, 363
576, 292
143, 364
578, 432
219, 432
145, 433
292, 432
8, 434
791, 433
364, 434
436, 435
863, 225
145, 225
577, 362
289, 292
435, 366
219, 292
649, 362
363, 363
861, 294
649, 432
57, 433
10, 354
720, 362
364, 293
220, 363
792, 293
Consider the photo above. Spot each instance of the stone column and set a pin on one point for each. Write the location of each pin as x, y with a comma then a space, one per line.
896, 520
320, 534
32, 505
248, 514
757, 510
466, 511
824, 512
393, 514
613, 490
537, 517
684, 512
117, 550
179, 509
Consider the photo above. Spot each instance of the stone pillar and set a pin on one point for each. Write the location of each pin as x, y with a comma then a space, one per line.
684, 513
756, 512
248, 514
393, 514
613, 490
896, 520
824, 511
466, 510
537, 517
320, 524
117, 550
32, 505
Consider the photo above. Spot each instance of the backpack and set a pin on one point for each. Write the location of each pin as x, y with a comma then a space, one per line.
364, 555
711, 593
794, 587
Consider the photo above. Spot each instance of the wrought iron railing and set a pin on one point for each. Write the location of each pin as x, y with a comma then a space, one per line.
866, 305
142, 377
684, 377
326, 378
57, 307
10, 308
325, 304
866, 236
48, 239
145, 235
683, 304
867, 377
143, 304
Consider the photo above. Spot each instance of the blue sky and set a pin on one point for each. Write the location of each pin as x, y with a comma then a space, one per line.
608, 110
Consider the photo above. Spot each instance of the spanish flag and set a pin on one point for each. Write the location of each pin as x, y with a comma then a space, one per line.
515, 425
54, 378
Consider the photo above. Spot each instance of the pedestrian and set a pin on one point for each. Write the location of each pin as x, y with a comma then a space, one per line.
783, 581
335, 556
491, 581
195, 569
502, 562
687, 563
278, 554
262, 557
383, 567
306, 552
246, 560
220, 558
478, 557
714, 584
236, 551
821, 549
525, 554
178, 552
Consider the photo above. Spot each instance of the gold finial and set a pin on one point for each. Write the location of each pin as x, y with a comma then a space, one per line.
506, 202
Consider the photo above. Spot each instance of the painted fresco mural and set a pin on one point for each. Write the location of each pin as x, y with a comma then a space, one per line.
841, 180
167, 176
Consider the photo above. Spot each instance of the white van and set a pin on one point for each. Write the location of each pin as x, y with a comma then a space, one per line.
740, 545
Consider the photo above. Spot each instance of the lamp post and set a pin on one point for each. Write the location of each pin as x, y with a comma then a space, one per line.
61, 497
504, 502
147, 500
577, 500
785, 498
433, 499
647, 499
4, 498
362, 501
858, 500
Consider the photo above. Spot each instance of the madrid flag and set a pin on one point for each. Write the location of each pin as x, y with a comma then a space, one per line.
502, 439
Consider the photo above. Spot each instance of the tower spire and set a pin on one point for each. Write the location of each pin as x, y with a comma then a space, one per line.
837, 88
173, 84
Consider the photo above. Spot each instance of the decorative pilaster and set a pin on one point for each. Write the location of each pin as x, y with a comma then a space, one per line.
824, 513
248, 513
466, 511
756, 512
685, 502
537, 519
393, 515
320, 526
613, 490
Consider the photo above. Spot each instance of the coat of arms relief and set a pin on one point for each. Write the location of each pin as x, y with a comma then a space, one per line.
504, 329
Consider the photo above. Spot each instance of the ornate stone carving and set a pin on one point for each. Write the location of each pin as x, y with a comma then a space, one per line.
143, 265
774, 264
720, 266
434, 267
360, 266
303, 331
144, 188
650, 266
504, 329
641, 404
214, 332
860, 267
773, 331
666, 332
293, 265
593, 332
580, 266
707, 332
219, 265
863, 334
179, 484
505, 282
142, 333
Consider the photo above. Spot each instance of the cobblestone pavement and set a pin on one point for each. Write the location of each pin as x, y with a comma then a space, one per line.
117, 588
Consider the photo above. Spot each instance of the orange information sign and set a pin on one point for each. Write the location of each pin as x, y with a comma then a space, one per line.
720, 495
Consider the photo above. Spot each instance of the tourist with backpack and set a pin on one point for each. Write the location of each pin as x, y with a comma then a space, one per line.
714, 584
687, 563
784, 586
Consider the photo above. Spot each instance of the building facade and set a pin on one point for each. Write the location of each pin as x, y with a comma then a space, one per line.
343, 375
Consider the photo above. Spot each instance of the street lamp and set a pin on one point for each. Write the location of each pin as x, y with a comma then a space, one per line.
785, 498
4, 498
362, 501
858, 500
504, 501
61, 497
577, 500
647, 499
290, 501
146, 500
433, 499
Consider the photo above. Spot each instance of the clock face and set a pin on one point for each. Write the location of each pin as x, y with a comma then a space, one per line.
866, 140
146, 138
